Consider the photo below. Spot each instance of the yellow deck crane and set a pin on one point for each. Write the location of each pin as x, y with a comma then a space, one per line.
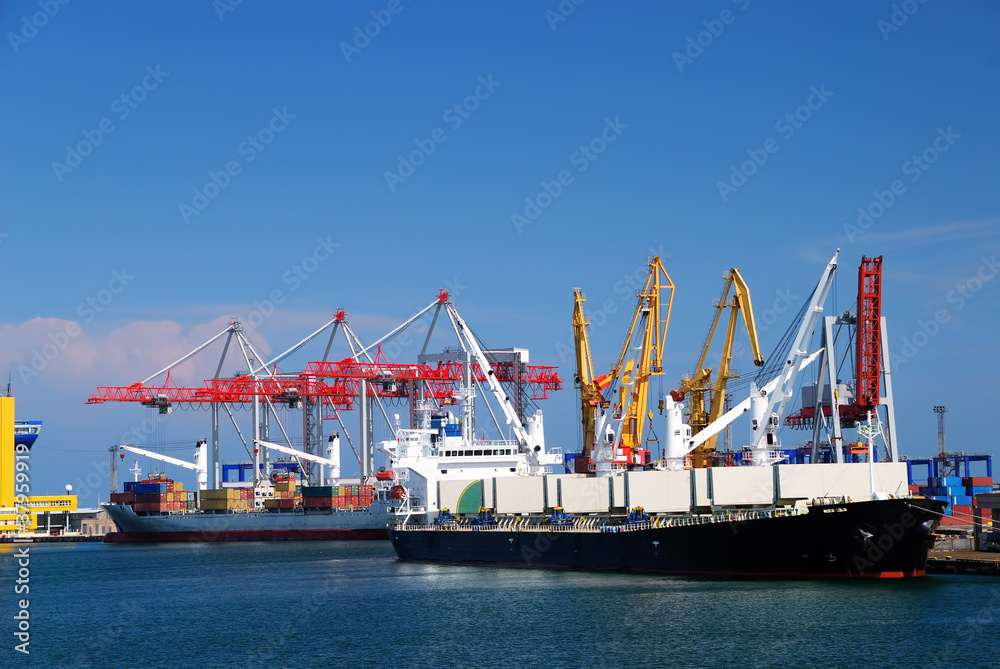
702, 412
646, 334
591, 398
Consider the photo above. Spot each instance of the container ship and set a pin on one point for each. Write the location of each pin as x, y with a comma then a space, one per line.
821, 511
157, 509
303, 496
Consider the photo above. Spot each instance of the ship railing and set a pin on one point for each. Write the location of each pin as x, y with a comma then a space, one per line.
598, 524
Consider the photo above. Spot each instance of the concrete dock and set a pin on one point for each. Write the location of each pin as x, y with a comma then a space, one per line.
963, 562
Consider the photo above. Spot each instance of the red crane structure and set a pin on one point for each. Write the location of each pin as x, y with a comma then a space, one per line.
849, 407
355, 382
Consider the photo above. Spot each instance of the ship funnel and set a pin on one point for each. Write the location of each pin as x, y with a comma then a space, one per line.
333, 454
536, 432
201, 463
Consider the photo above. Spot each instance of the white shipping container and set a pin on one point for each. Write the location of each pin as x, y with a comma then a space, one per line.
659, 492
450, 491
700, 493
552, 489
619, 498
742, 485
585, 495
519, 494
851, 480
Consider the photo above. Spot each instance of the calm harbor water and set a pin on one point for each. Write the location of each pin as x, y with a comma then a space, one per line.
327, 604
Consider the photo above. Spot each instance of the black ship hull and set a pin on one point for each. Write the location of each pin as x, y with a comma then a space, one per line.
870, 539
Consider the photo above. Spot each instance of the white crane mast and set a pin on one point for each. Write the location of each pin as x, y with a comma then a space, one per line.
769, 407
468, 340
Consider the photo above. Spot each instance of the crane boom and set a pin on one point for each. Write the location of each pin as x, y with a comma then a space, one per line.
771, 407
700, 384
200, 464
590, 393
648, 326
468, 340
298, 454
159, 456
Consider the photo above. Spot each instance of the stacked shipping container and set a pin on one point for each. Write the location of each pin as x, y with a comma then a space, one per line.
287, 495
155, 495
338, 497
227, 499
958, 492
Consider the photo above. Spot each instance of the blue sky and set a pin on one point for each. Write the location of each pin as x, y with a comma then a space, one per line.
643, 109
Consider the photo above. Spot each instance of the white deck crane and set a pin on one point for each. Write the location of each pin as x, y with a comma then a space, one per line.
767, 404
200, 464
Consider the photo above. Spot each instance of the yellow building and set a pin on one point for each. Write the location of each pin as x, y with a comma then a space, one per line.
19, 510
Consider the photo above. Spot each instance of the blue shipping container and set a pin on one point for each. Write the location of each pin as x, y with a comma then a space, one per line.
146, 488
961, 500
128, 486
978, 490
950, 481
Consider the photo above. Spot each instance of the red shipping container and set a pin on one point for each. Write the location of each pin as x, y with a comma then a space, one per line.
123, 497
977, 481
355, 501
915, 489
963, 513
286, 504
147, 507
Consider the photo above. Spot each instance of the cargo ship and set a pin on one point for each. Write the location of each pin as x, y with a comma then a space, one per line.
746, 514
278, 504
159, 510
824, 538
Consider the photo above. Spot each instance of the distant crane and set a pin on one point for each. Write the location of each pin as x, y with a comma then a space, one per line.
941, 411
